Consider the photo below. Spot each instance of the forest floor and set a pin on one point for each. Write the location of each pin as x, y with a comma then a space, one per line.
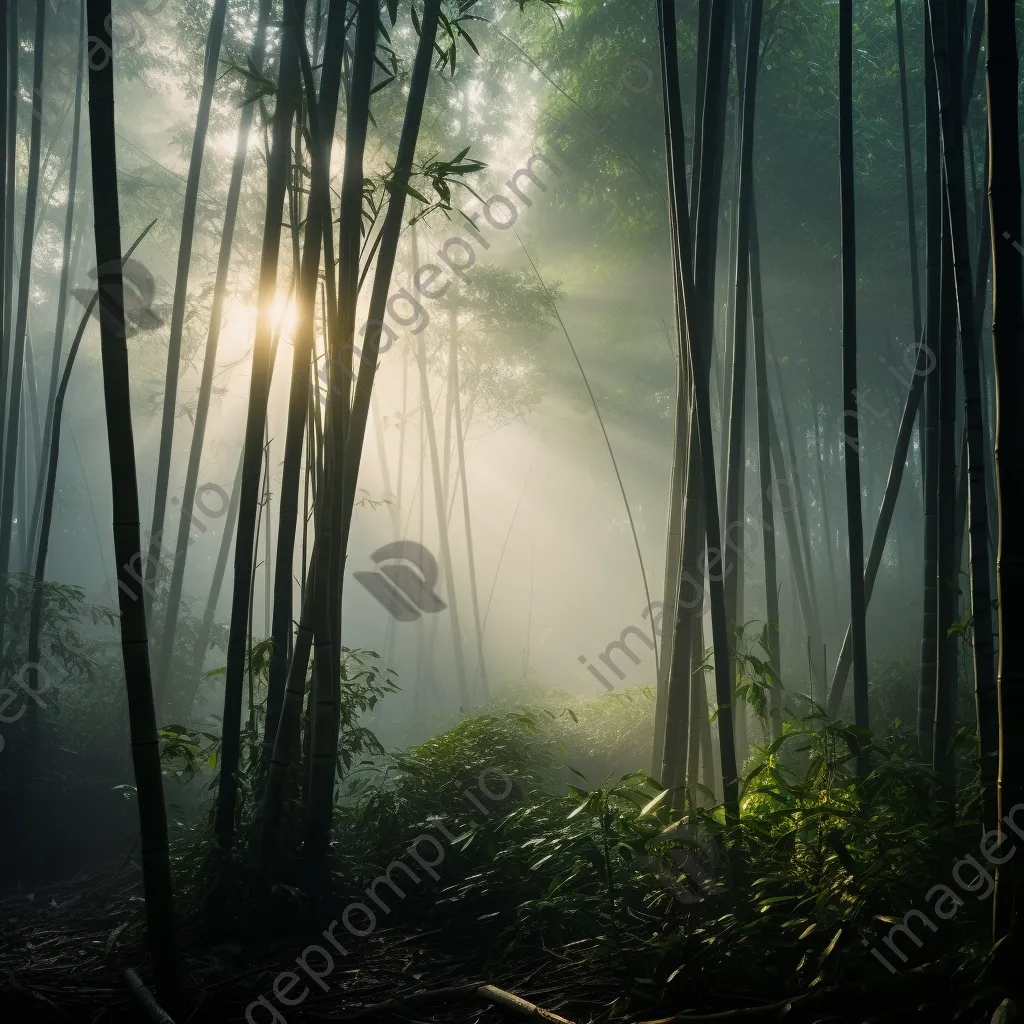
595, 906
66, 948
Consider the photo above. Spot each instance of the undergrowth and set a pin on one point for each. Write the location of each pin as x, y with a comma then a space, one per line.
819, 870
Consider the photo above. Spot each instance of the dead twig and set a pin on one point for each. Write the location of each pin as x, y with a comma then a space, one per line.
490, 993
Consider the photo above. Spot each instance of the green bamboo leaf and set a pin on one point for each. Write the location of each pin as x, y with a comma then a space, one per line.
651, 804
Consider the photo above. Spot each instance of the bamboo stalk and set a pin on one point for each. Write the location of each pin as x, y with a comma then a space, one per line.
161, 927
188, 224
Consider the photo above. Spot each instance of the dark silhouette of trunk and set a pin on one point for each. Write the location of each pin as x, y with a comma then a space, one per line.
698, 351
908, 171
677, 630
49, 464
851, 425
703, 25
460, 442
449, 402
946, 53
884, 521
188, 498
736, 461
705, 191
810, 608
676, 685
345, 438
318, 223
673, 543
442, 529
286, 748
709, 186
30, 449
259, 388
960, 510
764, 465
9, 12
12, 435
932, 412
948, 562
822, 447
698, 743
12, 85
386, 261
188, 223
194, 676
156, 869
332, 527
62, 295
1004, 208
971, 56
783, 473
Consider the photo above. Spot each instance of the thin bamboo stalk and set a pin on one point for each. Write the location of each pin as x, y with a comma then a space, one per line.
851, 422
211, 60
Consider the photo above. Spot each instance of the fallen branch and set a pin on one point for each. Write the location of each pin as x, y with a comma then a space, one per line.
500, 997
154, 1011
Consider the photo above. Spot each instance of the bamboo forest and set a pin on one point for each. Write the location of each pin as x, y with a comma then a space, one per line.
506, 511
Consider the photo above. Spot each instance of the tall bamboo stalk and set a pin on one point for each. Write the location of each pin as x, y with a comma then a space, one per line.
345, 442
811, 620
10, 459
8, 197
1004, 209
705, 193
698, 351
65, 270
930, 439
49, 459
386, 258
884, 520
156, 870
332, 530
851, 424
736, 461
188, 498
11, 90
318, 224
784, 474
948, 72
259, 388
442, 529
188, 223
674, 700
822, 447
948, 563
674, 538
908, 173
764, 464
194, 675
460, 441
